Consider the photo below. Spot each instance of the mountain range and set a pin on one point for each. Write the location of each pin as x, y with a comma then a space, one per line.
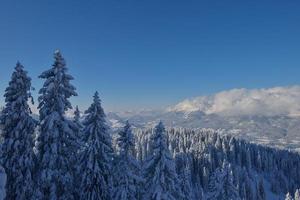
264, 116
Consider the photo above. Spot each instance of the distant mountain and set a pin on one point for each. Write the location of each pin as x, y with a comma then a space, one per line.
267, 102
265, 116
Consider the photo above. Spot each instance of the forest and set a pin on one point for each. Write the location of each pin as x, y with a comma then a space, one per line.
56, 157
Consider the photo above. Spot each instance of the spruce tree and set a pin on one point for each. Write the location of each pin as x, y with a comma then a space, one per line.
127, 176
75, 149
297, 194
78, 144
56, 134
261, 194
95, 162
221, 185
2, 183
18, 129
288, 197
78, 123
185, 178
161, 182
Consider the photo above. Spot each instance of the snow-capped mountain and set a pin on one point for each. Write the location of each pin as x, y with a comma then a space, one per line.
236, 102
266, 116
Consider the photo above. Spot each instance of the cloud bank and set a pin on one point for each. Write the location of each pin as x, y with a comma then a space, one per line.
235, 102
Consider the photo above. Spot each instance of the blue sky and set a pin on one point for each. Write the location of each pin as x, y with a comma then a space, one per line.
150, 54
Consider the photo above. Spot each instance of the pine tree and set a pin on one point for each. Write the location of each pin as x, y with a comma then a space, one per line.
77, 128
288, 197
248, 159
78, 124
159, 170
56, 134
215, 185
127, 169
297, 194
75, 149
242, 192
261, 194
18, 128
221, 185
78, 135
2, 183
186, 184
95, 162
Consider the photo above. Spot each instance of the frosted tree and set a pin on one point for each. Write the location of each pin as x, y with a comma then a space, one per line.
185, 178
288, 197
261, 194
248, 159
78, 123
2, 183
18, 129
95, 162
297, 194
75, 149
76, 139
215, 186
127, 177
161, 182
221, 185
184, 172
77, 129
242, 191
56, 134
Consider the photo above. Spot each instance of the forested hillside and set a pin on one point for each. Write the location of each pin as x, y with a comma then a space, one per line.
214, 166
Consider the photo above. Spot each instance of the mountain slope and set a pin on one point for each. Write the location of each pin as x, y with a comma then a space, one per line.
265, 116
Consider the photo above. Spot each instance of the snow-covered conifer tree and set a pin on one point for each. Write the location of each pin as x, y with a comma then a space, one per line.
77, 125
248, 159
288, 197
18, 129
261, 194
161, 182
297, 194
2, 183
55, 135
127, 177
76, 141
76, 149
186, 184
96, 158
221, 185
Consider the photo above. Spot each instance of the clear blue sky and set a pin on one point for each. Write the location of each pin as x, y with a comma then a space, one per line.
148, 54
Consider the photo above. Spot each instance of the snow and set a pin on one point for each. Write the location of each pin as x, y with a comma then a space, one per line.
178, 163
268, 102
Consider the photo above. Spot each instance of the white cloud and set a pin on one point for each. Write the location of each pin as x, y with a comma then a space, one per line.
268, 102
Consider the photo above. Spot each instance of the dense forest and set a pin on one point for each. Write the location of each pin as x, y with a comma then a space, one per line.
56, 157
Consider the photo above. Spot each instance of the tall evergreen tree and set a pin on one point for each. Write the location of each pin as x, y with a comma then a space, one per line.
95, 163
288, 197
221, 185
75, 149
159, 170
2, 183
297, 194
56, 135
260, 194
185, 178
77, 122
78, 137
127, 177
18, 129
